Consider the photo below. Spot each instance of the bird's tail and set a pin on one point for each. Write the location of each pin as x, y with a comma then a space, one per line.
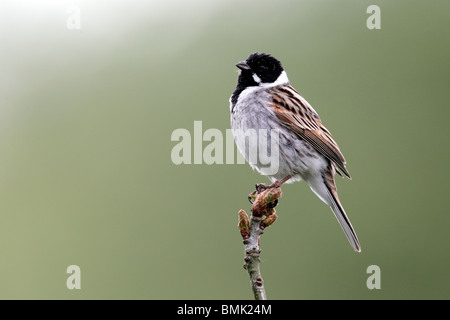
327, 192
341, 216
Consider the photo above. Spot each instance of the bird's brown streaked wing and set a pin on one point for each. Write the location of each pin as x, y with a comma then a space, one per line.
295, 113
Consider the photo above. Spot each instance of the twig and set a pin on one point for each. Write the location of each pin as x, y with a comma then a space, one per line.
263, 215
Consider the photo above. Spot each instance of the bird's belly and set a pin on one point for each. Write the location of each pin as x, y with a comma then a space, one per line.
272, 149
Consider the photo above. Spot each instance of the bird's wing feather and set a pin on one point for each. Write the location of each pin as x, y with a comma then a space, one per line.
295, 113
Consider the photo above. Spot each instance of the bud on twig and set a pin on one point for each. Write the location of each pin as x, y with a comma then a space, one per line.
265, 202
268, 221
244, 224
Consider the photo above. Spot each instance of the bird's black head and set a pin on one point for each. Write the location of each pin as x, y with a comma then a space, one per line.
260, 69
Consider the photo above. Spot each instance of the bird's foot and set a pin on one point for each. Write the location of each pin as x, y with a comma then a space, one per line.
260, 187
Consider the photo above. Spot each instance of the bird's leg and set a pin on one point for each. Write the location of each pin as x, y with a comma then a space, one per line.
278, 184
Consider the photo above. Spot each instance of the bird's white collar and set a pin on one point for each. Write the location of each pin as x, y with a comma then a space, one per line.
282, 79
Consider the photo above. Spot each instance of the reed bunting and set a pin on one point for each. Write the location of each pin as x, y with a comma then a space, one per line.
264, 100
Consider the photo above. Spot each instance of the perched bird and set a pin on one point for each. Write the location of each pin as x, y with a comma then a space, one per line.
264, 100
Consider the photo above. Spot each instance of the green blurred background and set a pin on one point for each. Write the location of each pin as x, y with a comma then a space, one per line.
86, 176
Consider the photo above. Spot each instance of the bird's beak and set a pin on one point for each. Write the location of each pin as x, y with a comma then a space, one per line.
243, 65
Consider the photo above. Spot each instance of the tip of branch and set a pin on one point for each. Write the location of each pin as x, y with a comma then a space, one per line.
265, 202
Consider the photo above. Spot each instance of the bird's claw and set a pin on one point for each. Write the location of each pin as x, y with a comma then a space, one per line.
259, 187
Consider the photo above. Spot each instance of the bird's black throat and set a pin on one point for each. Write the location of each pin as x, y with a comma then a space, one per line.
245, 80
